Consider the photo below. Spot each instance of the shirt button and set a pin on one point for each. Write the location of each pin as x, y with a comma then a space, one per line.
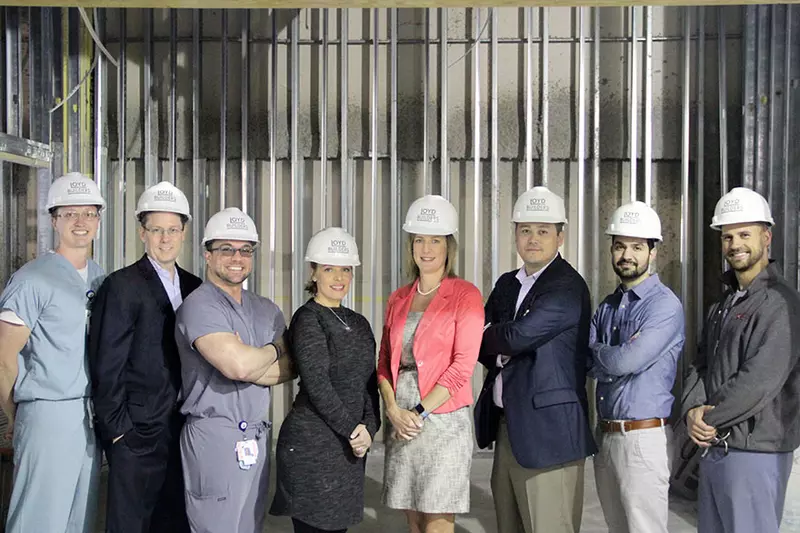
614, 328
602, 398
622, 306
420, 363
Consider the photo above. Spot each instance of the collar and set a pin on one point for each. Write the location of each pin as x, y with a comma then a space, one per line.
772, 271
645, 287
163, 272
523, 276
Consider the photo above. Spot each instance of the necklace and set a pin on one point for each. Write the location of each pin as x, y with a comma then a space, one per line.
346, 327
428, 292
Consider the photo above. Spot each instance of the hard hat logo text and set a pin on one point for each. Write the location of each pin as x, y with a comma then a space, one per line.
164, 196
78, 187
428, 215
537, 204
237, 223
338, 247
630, 217
731, 206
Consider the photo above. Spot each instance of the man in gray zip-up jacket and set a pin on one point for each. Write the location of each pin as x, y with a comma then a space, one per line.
742, 394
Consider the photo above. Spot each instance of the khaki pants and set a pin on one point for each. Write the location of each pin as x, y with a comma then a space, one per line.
529, 500
632, 476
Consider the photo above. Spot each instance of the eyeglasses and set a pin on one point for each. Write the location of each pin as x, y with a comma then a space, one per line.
75, 215
160, 232
230, 251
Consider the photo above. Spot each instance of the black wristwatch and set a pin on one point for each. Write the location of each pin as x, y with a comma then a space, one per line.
419, 408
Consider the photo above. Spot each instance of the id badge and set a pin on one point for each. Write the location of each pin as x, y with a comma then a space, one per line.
247, 453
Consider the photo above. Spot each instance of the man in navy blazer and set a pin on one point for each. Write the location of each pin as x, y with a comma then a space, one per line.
533, 402
136, 375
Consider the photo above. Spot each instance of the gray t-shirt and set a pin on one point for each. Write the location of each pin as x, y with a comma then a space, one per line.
206, 392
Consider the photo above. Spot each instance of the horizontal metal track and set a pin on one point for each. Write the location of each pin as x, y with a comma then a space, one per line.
435, 42
299, 4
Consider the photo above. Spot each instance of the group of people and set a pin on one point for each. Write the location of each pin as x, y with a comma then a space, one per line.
170, 376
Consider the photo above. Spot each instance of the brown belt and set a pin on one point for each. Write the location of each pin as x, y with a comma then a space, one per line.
608, 426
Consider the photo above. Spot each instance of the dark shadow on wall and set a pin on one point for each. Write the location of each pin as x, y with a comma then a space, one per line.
410, 87
522, 89
210, 112
315, 104
368, 32
615, 102
469, 74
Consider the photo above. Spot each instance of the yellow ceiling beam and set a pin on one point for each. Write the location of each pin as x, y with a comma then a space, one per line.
294, 4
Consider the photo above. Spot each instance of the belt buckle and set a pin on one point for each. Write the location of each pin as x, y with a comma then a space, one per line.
613, 426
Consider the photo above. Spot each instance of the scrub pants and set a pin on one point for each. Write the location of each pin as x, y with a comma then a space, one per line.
220, 496
56, 468
742, 492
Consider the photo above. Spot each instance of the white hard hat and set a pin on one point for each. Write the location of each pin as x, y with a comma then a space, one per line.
636, 219
431, 215
541, 205
74, 189
231, 224
741, 205
333, 246
164, 197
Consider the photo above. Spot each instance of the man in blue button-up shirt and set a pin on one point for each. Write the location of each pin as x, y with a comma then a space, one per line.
636, 337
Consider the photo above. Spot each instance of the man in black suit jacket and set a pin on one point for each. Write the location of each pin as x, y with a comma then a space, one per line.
533, 402
135, 370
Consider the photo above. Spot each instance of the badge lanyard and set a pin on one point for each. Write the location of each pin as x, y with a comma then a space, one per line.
246, 449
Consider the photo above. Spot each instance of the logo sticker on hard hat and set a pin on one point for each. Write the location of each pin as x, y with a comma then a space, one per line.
78, 187
629, 217
237, 223
338, 247
731, 206
428, 215
164, 196
538, 204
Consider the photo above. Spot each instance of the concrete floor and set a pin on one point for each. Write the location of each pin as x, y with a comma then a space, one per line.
481, 518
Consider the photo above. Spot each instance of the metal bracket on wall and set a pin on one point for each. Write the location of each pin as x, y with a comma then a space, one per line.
25, 152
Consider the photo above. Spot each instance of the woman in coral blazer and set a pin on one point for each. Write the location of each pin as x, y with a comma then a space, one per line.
431, 338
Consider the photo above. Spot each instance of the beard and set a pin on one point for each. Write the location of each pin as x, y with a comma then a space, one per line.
743, 265
630, 270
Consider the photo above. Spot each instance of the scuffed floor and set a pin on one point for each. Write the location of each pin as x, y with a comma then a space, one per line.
378, 519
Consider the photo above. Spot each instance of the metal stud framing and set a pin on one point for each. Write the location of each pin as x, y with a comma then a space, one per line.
475, 114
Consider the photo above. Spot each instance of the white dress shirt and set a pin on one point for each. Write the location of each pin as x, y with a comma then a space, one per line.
526, 283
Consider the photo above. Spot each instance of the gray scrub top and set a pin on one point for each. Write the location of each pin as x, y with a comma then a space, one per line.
54, 301
206, 391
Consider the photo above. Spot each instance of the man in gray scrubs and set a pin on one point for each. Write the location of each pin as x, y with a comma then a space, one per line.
231, 351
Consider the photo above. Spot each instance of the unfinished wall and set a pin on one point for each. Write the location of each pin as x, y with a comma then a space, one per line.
274, 109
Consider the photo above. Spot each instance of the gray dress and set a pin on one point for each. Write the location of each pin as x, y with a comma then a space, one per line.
430, 473
319, 480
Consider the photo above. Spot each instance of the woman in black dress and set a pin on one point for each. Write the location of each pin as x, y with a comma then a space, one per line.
323, 443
